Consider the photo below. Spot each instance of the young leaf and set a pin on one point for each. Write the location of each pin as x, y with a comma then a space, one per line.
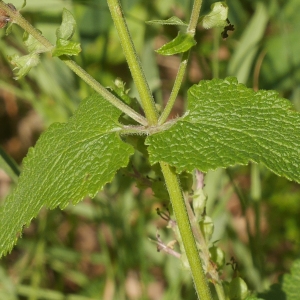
26, 62
32, 44
227, 124
64, 47
182, 43
67, 27
69, 162
120, 90
217, 17
23, 64
171, 21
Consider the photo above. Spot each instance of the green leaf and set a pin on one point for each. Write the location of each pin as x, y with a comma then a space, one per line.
228, 124
217, 17
32, 44
182, 43
120, 91
64, 47
69, 162
171, 21
291, 282
23, 64
67, 27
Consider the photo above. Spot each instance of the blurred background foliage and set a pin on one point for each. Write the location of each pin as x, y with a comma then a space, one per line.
100, 249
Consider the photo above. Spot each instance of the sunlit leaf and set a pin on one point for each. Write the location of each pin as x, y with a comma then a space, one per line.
64, 47
228, 124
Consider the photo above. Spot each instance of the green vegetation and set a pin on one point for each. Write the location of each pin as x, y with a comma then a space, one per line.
233, 229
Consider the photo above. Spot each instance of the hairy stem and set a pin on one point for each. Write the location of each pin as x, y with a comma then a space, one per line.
191, 30
186, 233
173, 184
17, 18
194, 17
133, 62
176, 88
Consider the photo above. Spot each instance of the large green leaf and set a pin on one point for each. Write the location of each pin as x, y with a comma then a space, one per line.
69, 162
227, 124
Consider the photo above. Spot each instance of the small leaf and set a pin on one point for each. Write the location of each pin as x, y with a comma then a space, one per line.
69, 162
23, 64
217, 17
120, 91
64, 47
228, 124
171, 21
32, 44
182, 43
67, 27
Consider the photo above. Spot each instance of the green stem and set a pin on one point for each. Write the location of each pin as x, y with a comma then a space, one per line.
194, 17
220, 291
173, 184
176, 88
185, 230
95, 85
191, 30
133, 61
17, 18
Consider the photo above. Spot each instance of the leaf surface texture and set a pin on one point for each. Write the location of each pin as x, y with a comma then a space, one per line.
227, 124
69, 162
